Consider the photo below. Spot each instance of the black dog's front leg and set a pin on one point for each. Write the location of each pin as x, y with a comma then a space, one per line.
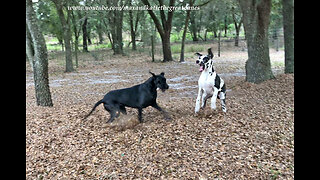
165, 113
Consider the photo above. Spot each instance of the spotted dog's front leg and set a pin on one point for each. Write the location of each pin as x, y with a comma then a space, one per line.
214, 98
197, 109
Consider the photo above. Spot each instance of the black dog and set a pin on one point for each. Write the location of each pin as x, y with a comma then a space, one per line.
139, 96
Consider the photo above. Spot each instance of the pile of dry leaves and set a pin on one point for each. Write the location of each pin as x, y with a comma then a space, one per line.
253, 140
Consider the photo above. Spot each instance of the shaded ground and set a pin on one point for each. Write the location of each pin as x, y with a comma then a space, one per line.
254, 140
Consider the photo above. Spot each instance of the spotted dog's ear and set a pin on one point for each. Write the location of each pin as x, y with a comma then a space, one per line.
210, 54
198, 54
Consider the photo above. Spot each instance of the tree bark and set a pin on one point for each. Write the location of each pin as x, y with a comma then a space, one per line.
100, 33
119, 24
237, 27
117, 33
185, 32
66, 35
152, 48
85, 35
288, 30
256, 17
41, 77
163, 28
115, 21
76, 38
225, 26
219, 43
166, 48
193, 27
133, 27
29, 48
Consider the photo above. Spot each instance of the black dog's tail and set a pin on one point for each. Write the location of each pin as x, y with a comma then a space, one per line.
94, 107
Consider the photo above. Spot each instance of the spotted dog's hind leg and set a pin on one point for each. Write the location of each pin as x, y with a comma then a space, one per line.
222, 96
205, 97
203, 100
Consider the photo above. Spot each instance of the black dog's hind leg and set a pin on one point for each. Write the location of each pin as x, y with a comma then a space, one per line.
112, 112
140, 115
123, 109
165, 113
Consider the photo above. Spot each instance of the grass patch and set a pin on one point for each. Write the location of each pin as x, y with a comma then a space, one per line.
189, 48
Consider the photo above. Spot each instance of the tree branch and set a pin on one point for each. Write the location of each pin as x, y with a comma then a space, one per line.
170, 16
154, 17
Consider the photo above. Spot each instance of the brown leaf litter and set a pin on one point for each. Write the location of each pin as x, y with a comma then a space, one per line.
253, 140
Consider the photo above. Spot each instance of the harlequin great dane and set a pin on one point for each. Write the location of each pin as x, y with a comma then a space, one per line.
210, 84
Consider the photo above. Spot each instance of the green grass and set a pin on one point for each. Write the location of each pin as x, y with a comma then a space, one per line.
194, 48
177, 36
189, 48
277, 63
54, 47
98, 46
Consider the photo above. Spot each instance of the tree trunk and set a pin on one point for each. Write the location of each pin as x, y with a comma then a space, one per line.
100, 35
219, 43
215, 33
193, 27
115, 21
185, 32
29, 48
117, 36
275, 38
132, 29
85, 35
237, 27
166, 47
225, 26
288, 30
163, 28
41, 77
89, 35
236, 41
108, 32
76, 38
205, 35
152, 48
66, 35
256, 16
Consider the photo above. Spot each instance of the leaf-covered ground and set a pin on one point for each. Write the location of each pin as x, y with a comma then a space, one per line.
253, 140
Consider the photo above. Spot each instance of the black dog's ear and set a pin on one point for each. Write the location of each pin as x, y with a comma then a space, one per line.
210, 54
162, 73
152, 73
198, 54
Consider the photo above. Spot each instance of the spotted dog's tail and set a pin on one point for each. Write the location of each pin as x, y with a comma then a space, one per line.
94, 107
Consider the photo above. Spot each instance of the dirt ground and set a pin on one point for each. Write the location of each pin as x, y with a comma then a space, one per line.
253, 140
